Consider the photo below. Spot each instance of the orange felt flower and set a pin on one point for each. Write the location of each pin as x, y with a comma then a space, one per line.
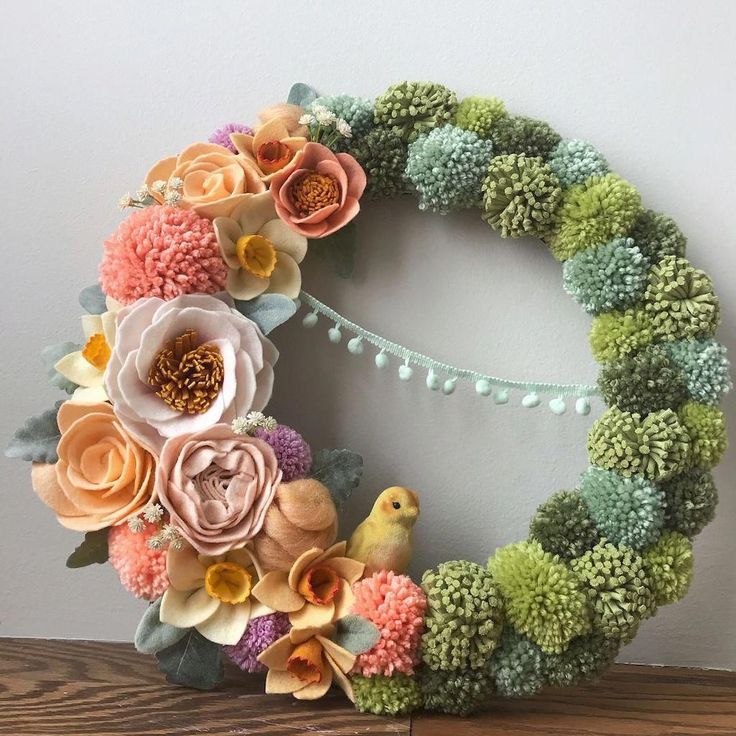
317, 589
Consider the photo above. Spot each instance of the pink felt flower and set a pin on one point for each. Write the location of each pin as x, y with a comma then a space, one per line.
319, 192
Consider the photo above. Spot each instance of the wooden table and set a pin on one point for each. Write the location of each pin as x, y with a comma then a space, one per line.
75, 688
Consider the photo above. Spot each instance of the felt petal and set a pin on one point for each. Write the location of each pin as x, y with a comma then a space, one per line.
220, 208
78, 370
285, 240
257, 609
185, 608
356, 176
341, 679
343, 217
299, 636
253, 213
244, 285
274, 656
350, 570
273, 591
342, 658
195, 150
280, 682
316, 690
273, 130
227, 624
91, 325
46, 486
343, 600
319, 216
227, 231
108, 328
71, 411
160, 171
301, 564
184, 568
337, 550
89, 394
286, 278
311, 616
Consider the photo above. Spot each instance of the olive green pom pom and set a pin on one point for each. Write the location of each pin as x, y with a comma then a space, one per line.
592, 213
619, 589
657, 236
690, 502
478, 114
562, 525
517, 666
457, 692
413, 108
544, 600
520, 134
706, 426
520, 195
464, 616
586, 659
669, 565
383, 156
655, 447
643, 382
386, 696
615, 334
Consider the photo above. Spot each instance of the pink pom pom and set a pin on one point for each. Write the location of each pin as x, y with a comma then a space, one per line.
142, 570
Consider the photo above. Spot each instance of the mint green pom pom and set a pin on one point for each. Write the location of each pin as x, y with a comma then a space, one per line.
615, 334
706, 426
357, 112
690, 502
669, 565
478, 114
382, 154
457, 692
704, 368
517, 666
386, 696
519, 134
586, 659
657, 235
562, 525
574, 161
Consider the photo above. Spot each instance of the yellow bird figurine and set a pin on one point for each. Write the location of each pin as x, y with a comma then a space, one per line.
383, 541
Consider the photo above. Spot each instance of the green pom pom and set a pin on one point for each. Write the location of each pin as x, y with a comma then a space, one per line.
457, 692
383, 155
619, 589
517, 666
520, 196
690, 502
386, 696
357, 112
627, 511
562, 525
520, 134
643, 382
656, 447
586, 659
615, 334
543, 599
574, 161
464, 616
478, 114
706, 426
592, 213
704, 367
669, 565
657, 236
413, 108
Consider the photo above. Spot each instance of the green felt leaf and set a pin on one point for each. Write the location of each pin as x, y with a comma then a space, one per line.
356, 634
268, 311
301, 94
93, 550
50, 355
338, 250
93, 300
339, 470
152, 635
193, 661
37, 439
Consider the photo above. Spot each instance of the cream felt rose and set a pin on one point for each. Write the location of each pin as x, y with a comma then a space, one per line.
103, 476
217, 486
186, 364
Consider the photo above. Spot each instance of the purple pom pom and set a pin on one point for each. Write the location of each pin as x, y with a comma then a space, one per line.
260, 633
292, 452
222, 135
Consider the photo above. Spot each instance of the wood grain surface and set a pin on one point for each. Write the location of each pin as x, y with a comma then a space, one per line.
79, 688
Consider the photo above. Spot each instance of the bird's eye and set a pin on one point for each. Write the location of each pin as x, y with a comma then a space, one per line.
396, 505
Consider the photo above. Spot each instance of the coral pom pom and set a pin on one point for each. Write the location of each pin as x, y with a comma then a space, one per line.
142, 570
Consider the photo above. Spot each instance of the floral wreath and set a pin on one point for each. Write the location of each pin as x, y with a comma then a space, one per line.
226, 521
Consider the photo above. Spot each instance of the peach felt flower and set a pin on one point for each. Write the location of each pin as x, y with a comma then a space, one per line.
318, 192
208, 178
317, 589
271, 148
305, 662
288, 114
103, 476
261, 251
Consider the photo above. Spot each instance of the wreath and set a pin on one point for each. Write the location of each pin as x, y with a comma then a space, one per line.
226, 521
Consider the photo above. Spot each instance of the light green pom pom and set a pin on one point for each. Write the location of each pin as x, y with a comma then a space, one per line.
574, 161
615, 334
657, 235
706, 426
517, 666
586, 659
669, 566
562, 525
690, 502
387, 696
704, 367
478, 114
457, 692
519, 134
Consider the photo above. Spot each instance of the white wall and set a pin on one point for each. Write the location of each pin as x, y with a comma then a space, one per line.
93, 92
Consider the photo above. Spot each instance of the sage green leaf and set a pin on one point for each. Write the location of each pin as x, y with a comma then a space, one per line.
93, 550
51, 355
356, 634
37, 439
193, 661
338, 250
339, 470
302, 94
152, 635
92, 299
268, 311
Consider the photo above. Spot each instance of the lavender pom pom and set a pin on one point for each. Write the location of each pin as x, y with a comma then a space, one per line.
260, 633
222, 135
292, 452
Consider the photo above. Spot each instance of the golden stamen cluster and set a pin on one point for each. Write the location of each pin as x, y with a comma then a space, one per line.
313, 192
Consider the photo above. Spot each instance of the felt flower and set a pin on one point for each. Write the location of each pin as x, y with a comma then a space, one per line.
261, 251
306, 662
204, 177
317, 589
216, 486
288, 114
186, 364
318, 192
103, 476
212, 593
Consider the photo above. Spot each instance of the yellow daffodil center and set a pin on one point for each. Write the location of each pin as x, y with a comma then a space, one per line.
313, 191
306, 662
228, 582
256, 255
96, 351
319, 585
272, 156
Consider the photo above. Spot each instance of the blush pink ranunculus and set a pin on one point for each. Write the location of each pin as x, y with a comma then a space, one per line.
319, 192
217, 486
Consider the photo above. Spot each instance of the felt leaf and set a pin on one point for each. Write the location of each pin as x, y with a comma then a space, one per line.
193, 661
268, 311
356, 634
92, 550
93, 300
338, 250
37, 439
339, 470
302, 94
51, 355
152, 635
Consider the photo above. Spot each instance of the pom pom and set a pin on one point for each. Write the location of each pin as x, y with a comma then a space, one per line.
562, 525
386, 696
706, 426
690, 502
357, 112
142, 570
656, 447
669, 565
464, 616
627, 511
517, 666
396, 606
520, 134
457, 692
592, 213
292, 452
520, 196
574, 161
615, 334
612, 276
221, 136
413, 108
260, 633
657, 235
586, 659
543, 599
446, 168
162, 251
382, 154
479, 114
704, 367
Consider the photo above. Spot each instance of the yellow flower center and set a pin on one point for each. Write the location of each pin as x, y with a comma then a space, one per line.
256, 255
228, 582
319, 585
306, 662
96, 351
313, 192
272, 156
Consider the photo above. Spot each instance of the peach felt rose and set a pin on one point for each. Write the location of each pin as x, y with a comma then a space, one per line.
318, 192
208, 178
103, 476
271, 148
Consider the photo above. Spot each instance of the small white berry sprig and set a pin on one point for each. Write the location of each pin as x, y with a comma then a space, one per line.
167, 535
144, 196
325, 127
254, 420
